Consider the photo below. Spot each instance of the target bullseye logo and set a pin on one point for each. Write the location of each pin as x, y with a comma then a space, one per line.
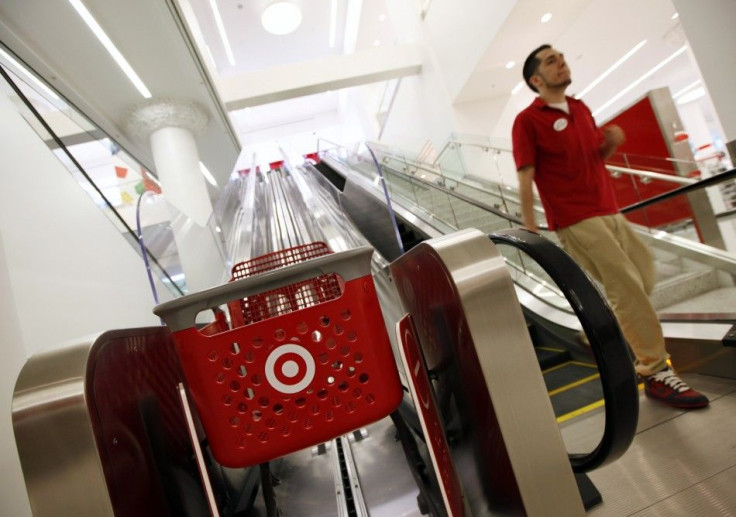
290, 368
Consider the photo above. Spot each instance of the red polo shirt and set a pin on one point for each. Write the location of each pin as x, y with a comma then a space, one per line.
568, 169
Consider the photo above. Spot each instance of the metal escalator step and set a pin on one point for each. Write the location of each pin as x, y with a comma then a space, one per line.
572, 387
556, 378
550, 357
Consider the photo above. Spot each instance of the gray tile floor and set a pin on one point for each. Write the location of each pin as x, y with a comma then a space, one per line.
680, 463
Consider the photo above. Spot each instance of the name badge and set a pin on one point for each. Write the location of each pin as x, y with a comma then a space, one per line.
560, 124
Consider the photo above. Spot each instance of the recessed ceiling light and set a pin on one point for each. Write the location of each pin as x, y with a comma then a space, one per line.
110, 47
21, 69
686, 89
692, 95
382, 18
333, 22
611, 69
518, 87
221, 31
510, 65
376, 43
281, 18
640, 80
675, 16
546, 17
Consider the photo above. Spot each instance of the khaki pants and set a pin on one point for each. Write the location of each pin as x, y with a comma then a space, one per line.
608, 248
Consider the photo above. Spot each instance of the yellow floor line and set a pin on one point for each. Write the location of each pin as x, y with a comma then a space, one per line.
574, 384
568, 363
549, 349
586, 409
580, 363
581, 411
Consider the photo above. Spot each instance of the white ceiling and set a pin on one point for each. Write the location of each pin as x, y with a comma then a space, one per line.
51, 38
54, 41
254, 48
593, 34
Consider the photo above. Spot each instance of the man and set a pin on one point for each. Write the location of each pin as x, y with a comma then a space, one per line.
558, 147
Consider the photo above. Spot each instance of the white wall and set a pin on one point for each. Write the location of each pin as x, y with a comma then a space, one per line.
300, 138
709, 30
480, 117
65, 272
460, 34
13, 499
454, 42
421, 111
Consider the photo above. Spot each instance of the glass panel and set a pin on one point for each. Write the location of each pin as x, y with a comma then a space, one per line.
692, 277
113, 180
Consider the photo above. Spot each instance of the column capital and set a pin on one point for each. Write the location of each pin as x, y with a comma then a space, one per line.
159, 112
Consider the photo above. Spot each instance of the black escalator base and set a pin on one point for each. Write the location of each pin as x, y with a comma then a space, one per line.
409, 238
333, 176
588, 492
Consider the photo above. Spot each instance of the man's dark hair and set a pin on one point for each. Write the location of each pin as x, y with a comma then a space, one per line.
531, 65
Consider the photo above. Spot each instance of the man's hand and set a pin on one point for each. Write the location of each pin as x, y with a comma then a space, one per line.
614, 136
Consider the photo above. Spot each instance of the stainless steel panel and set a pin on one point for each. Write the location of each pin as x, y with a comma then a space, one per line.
709, 498
306, 484
670, 124
100, 429
462, 299
349, 481
388, 487
679, 460
54, 435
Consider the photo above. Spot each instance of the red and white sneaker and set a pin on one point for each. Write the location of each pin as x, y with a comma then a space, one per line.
670, 389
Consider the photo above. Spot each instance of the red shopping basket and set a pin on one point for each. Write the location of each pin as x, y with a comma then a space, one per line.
317, 365
260, 306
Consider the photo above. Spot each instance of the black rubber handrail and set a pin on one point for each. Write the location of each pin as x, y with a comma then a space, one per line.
615, 363
686, 189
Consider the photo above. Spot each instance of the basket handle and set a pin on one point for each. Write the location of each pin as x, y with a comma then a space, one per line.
181, 313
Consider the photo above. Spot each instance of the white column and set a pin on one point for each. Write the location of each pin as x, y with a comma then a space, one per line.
709, 30
171, 126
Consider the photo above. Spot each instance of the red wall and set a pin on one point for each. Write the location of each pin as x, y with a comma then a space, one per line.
645, 148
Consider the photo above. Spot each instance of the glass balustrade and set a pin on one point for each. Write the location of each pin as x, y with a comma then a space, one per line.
112, 178
692, 277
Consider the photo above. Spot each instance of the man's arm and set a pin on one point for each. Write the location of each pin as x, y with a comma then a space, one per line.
526, 195
613, 137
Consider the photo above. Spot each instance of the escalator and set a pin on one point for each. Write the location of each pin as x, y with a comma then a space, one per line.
277, 220
568, 366
605, 340
425, 208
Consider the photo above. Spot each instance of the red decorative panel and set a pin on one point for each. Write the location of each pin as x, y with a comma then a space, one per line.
646, 149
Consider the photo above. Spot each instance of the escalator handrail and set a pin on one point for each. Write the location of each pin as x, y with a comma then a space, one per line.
462, 197
615, 365
686, 189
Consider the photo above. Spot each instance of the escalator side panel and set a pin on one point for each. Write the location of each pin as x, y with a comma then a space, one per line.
501, 427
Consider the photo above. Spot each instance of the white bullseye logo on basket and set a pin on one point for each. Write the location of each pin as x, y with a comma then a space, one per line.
290, 368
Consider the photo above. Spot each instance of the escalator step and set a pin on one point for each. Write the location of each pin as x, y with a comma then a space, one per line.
578, 400
560, 376
550, 357
572, 387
